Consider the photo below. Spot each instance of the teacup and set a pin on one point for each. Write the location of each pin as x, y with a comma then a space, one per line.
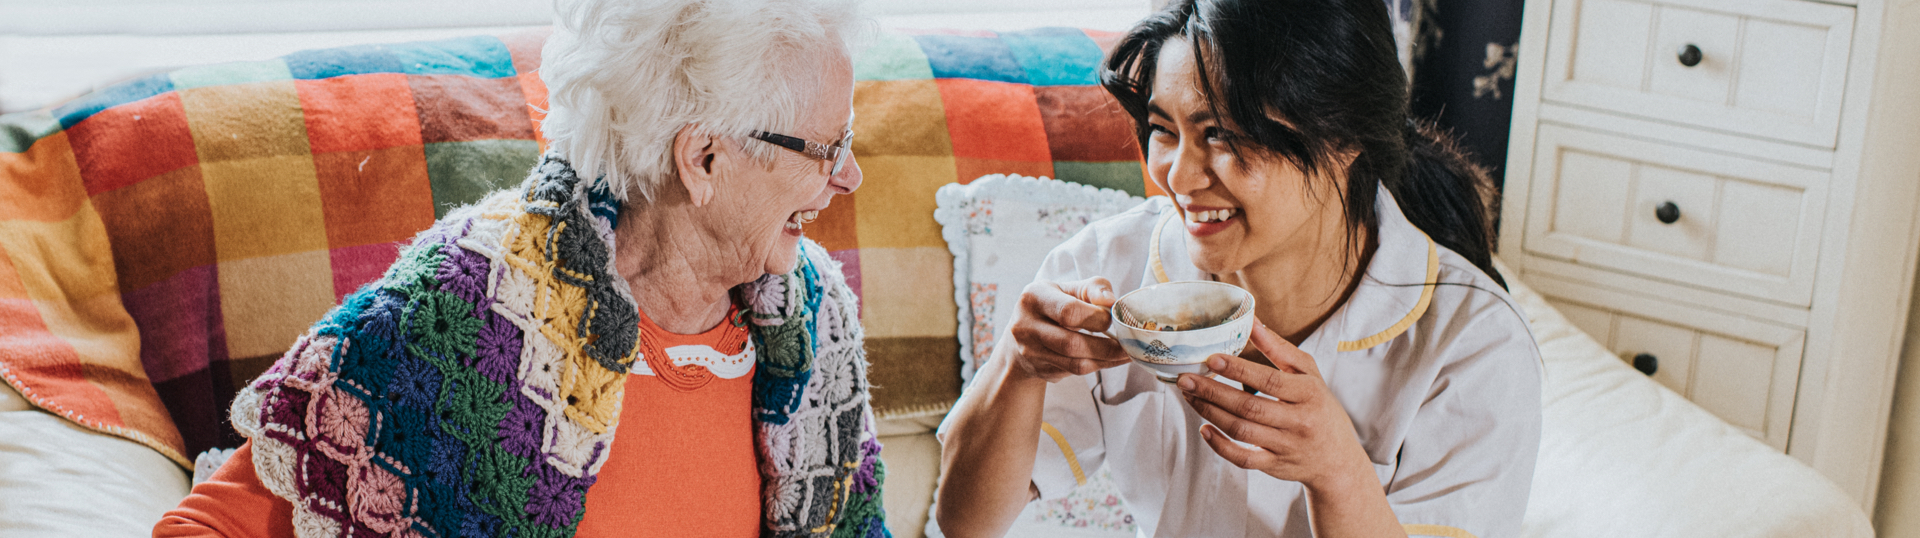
1156, 325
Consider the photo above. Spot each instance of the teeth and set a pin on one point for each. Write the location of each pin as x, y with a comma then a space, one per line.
1217, 215
801, 217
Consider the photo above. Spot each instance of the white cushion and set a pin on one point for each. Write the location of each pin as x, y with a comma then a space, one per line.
58, 479
999, 229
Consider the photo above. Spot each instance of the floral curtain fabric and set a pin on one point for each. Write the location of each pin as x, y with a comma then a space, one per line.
1463, 61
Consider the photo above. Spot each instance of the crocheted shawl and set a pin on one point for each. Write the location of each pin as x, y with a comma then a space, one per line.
474, 389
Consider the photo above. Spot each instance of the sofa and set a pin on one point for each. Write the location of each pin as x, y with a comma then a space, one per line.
163, 240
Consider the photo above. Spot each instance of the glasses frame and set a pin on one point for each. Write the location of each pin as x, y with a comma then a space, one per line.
835, 152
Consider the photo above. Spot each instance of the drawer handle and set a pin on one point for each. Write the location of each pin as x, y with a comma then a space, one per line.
1668, 213
1646, 363
1690, 55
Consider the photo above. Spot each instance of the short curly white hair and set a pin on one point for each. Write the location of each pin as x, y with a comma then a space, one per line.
624, 76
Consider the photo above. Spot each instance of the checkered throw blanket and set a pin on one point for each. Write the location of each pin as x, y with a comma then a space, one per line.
164, 240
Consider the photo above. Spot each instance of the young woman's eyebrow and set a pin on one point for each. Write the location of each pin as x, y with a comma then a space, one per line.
1198, 116
1155, 110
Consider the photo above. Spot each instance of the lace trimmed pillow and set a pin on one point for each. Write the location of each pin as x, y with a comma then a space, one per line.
1000, 228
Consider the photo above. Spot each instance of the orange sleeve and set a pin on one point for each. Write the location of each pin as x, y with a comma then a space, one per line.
233, 503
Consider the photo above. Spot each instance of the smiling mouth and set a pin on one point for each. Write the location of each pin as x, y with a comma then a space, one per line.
1206, 217
801, 218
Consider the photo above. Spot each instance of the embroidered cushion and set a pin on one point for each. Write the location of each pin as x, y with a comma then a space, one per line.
1000, 228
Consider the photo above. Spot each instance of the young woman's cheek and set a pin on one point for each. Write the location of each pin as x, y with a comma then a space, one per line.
1163, 157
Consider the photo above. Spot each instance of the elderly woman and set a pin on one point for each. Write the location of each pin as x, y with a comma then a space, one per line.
1391, 388
636, 341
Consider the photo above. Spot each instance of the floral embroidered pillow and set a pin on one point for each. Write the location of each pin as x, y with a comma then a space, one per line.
1000, 228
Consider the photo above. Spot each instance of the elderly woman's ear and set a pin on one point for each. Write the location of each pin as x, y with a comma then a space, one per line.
695, 152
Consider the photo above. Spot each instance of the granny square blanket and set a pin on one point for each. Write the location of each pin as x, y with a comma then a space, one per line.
475, 389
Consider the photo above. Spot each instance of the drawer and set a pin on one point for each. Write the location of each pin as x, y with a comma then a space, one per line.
1765, 68
1677, 214
1744, 372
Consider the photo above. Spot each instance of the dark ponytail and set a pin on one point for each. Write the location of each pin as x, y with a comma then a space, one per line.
1329, 69
1447, 195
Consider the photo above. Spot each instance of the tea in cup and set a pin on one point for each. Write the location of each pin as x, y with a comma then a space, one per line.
1171, 328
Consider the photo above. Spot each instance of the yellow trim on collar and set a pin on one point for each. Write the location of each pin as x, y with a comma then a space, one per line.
1442, 531
1419, 309
1153, 248
1073, 462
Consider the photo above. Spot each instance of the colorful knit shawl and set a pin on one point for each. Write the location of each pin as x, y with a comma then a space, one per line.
474, 389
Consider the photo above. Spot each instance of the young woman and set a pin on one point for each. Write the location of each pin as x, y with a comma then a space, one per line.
1391, 389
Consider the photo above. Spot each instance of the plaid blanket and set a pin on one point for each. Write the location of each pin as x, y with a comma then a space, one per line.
162, 241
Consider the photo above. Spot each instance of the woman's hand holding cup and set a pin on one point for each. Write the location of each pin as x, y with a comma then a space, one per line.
1049, 335
1302, 434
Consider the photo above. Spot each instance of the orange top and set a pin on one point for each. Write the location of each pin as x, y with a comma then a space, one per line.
683, 462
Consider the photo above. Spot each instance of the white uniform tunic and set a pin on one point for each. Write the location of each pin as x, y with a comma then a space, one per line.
1429, 357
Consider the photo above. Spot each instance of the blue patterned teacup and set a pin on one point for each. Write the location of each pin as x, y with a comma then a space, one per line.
1157, 325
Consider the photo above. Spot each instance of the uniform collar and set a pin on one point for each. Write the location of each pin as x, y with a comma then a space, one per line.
1396, 291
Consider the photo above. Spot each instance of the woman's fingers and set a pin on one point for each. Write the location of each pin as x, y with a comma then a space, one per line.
1245, 458
1042, 363
1096, 291
1063, 303
1285, 386
1239, 403
1050, 331
1069, 343
1261, 378
1282, 353
1052, 365
1264, 435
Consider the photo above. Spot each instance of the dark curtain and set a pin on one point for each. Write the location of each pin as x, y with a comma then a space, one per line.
1463, 73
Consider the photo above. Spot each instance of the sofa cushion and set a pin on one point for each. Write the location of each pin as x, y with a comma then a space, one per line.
999, 229
58, 479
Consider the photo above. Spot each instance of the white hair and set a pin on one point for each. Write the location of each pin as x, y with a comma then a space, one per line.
624, 76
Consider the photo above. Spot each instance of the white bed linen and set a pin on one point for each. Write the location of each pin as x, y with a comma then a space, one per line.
1621, 455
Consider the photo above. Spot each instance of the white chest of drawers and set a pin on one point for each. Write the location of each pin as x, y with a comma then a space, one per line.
1725, 193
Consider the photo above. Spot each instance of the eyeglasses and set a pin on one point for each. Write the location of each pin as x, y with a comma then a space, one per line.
835, 153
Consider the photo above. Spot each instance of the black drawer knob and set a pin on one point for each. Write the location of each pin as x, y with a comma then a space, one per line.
1689, 55
1667, 213
1646, 363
